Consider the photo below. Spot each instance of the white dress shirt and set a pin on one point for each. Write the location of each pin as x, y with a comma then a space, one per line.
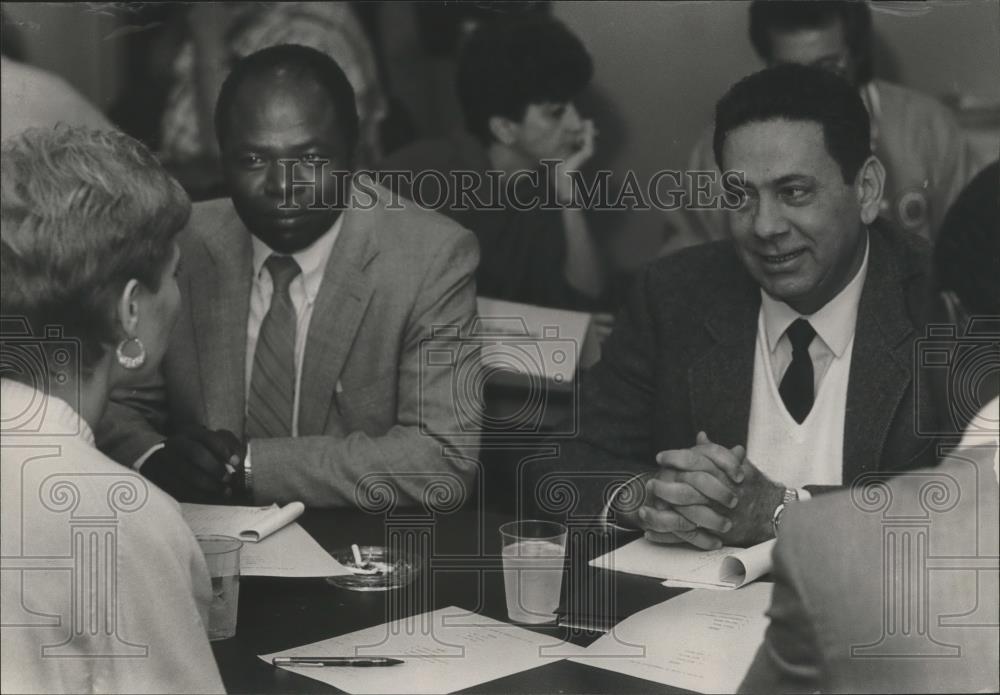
835, 323
303, 290
69, 514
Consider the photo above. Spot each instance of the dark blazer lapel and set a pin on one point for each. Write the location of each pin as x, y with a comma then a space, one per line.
340, 305
879, 375
220, 305
720, 382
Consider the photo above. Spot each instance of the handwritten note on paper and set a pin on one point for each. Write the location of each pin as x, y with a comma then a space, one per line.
250, 524
443, 651
723, 568
702, 640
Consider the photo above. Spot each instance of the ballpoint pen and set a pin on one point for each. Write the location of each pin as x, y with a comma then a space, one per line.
333, 661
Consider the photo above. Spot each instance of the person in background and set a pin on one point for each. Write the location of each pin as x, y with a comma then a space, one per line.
309, 308
926, 159
517, 80
89, 295
833, 628
222, 33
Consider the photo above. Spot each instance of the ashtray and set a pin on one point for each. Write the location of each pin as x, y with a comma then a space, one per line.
380, 569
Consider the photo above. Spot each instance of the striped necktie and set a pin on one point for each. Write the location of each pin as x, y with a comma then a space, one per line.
272, 382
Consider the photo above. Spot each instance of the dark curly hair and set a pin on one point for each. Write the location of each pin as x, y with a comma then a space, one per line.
84, 211
510, 62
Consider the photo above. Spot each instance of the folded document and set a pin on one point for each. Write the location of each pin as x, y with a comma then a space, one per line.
273, 544
683, 566
246, 523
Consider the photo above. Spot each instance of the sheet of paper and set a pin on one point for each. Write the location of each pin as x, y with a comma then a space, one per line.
701, 640
290, 552
246, 523
445, 650
723, 568
538, 341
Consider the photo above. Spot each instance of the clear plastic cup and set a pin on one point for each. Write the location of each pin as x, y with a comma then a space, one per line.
533, 553
222, 555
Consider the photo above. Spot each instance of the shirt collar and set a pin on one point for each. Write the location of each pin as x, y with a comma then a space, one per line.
834, 323
27, 410
311, 260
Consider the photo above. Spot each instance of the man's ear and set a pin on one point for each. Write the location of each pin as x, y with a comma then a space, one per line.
504, 130
870, 184
128, 308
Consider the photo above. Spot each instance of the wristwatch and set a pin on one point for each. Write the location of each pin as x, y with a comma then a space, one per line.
788, 497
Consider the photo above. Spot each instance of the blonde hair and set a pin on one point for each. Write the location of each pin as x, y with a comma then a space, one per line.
83, 212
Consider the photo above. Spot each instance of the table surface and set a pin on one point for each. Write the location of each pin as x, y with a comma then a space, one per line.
461, 567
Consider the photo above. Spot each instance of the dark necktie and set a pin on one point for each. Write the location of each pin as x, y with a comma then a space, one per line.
272, 382
797, 385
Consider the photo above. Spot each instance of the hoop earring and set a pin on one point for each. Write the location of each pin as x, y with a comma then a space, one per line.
131, 362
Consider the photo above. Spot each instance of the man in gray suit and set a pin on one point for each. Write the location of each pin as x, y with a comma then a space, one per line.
297, 370
748, 373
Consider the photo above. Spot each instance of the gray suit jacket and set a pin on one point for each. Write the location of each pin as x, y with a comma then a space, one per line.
680, 360
888, 589
374, 416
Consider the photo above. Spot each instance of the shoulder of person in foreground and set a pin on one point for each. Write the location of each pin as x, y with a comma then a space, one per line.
829, 573
161, 587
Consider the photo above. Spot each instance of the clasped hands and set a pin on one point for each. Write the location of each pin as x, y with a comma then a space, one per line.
197, 464
708, 496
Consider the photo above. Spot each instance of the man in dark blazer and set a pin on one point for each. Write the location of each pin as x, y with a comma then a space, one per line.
317, 387
690, 378
871, 615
